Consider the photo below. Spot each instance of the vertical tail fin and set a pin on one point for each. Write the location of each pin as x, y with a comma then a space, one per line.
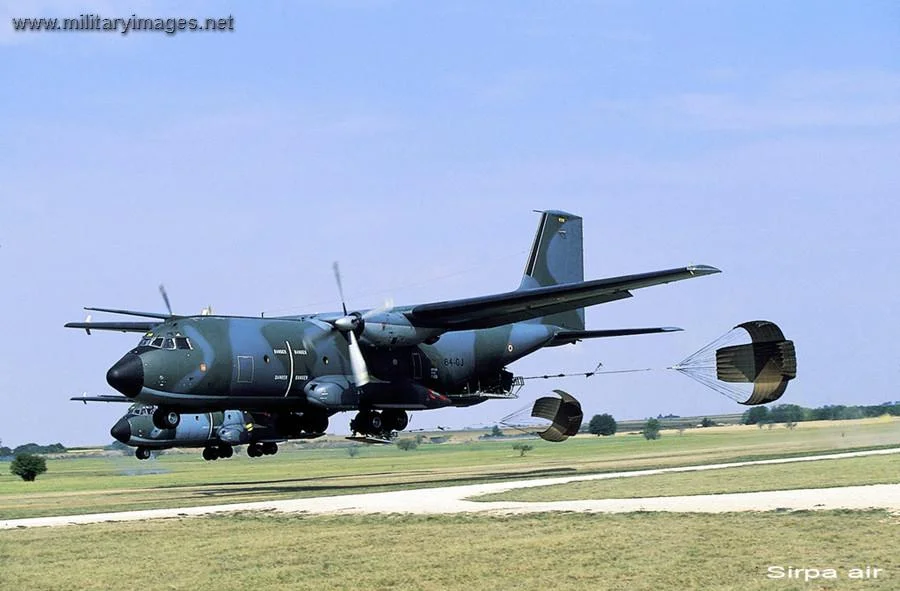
557, 256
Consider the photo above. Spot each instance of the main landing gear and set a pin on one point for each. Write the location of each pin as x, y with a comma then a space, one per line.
214, 453
269, 448
379, 424
142, 453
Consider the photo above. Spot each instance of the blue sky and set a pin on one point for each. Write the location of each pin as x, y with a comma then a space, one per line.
411, 141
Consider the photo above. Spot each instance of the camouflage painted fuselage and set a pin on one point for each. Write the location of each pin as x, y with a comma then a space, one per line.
229, 427
296, 364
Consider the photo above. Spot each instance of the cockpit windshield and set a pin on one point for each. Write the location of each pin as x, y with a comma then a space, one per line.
177, 342
140, 409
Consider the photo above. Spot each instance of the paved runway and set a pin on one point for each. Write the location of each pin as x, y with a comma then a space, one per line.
455, 499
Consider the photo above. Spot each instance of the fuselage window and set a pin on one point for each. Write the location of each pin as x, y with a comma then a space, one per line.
157, 342
168, 344
182, 343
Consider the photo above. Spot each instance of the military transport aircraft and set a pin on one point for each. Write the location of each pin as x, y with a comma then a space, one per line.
216, 432
381, 362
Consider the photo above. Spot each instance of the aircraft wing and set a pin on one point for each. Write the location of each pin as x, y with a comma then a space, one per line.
564, 337
102, 398
516, 306
120, 326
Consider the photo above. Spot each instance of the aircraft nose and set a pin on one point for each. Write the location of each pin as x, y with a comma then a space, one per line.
127, 375
121, 431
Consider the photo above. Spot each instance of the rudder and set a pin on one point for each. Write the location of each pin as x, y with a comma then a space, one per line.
557, 257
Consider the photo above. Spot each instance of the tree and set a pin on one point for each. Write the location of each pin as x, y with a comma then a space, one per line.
707, 422
28, 466
523, 448
651, 429
603, 424
496, 432
786, 413
353, 451
755, 415
407, 444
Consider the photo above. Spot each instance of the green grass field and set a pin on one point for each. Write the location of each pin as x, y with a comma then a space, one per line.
819, 474
87, 485
637, 551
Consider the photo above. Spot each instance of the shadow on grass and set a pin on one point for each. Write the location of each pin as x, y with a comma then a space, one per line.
316, 486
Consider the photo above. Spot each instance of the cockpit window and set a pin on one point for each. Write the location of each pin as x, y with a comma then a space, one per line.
157, 342
140, 409
145, 342
182, 343
169, 344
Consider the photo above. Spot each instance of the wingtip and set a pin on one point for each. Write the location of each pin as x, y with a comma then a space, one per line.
671, 329
703, 270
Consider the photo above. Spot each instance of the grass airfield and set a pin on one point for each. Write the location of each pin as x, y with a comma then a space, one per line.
559, 550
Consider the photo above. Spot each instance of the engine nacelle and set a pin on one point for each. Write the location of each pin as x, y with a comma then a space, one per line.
393, 329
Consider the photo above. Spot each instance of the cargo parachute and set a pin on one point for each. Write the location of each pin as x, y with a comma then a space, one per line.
751, 373
564, 414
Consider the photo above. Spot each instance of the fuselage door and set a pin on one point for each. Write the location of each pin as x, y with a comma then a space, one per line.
245, 369
416, 366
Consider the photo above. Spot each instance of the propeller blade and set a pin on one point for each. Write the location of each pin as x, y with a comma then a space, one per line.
87, 320
357, 362
387, 306
337, 277
165, 297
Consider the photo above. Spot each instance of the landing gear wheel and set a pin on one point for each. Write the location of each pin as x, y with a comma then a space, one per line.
253, 450
142, 453
210, 453
368, 422
395, 420
226, 451
164, 418
315, 422
270, 448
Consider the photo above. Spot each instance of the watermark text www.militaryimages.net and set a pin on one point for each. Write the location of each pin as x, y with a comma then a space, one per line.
95, 23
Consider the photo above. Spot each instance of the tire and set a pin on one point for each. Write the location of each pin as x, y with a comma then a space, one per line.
269, 448
315, 423
376, 423
164, 418
142, 453
210, 453
226, 451
253, 450
396, 420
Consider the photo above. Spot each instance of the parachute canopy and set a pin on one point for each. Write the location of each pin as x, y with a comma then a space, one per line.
751, 373
564, 414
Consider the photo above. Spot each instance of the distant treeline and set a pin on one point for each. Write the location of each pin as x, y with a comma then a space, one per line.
792, 413
33, 448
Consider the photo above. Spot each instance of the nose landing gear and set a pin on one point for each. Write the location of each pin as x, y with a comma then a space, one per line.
164, 418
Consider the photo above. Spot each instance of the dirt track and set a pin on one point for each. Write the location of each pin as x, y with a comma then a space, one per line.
453, 499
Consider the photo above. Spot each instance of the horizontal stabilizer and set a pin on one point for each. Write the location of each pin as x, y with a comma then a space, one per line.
525, 304
117, 326
102, 398
132, 313
565, 337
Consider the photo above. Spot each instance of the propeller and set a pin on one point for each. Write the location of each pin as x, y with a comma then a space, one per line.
337, 277
165, 297
350, 325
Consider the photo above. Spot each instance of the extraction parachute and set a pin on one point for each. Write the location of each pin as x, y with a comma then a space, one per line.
564, 413
751, 373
